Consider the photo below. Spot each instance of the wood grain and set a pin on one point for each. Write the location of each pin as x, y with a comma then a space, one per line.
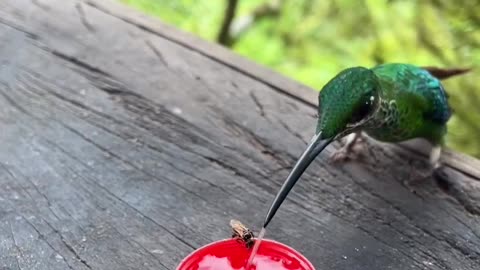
126, 145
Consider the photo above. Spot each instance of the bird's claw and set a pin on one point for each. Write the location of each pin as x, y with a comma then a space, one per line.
437, 173
341, 155
352, 150
417, 177
433, 171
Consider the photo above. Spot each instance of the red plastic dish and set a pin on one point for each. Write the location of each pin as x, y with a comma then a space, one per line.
232, 255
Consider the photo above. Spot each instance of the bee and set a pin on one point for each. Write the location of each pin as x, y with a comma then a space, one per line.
242, 233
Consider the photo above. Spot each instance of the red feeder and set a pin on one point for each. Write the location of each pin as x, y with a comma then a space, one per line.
229, 254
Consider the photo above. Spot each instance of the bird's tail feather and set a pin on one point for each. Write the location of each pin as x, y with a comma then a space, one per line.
445, 73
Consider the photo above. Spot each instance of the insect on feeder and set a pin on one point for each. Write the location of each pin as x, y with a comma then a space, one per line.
233, 254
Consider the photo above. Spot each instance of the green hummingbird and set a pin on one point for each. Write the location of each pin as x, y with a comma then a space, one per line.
390, 103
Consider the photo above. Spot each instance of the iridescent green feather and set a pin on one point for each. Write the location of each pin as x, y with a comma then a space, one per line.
413, 104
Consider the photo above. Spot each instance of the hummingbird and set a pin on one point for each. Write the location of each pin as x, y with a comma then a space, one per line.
391, 103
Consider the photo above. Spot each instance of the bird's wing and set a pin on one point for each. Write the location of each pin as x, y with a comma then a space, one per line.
421, 87
430, 88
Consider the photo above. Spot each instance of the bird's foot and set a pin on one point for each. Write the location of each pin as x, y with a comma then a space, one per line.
437, 173
353, 148
416, 177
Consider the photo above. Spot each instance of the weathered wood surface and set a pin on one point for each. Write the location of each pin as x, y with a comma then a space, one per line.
127, 144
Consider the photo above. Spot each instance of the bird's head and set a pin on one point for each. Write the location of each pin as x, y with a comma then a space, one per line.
345, 103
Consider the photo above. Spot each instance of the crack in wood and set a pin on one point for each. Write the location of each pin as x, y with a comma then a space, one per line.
233, 195
45, 240
83, 17
136, 244
257, 142
14, 103
76, 61
41, 5
10, 172
16, 246
257, 103
294, 133
13, 26
157, 52
66, 244
102, 80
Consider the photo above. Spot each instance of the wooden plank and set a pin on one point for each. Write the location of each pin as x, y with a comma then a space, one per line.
125, 150
275, 81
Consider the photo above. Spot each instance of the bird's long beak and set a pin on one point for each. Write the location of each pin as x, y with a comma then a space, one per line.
316, 145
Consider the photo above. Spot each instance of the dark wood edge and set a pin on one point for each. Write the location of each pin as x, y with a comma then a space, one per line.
281, 84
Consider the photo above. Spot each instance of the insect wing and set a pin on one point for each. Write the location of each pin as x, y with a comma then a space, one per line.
237, 227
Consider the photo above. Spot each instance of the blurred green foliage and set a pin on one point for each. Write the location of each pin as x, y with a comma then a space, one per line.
312, 40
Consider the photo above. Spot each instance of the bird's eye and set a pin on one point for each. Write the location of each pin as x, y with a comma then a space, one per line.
361, 113
363, 110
